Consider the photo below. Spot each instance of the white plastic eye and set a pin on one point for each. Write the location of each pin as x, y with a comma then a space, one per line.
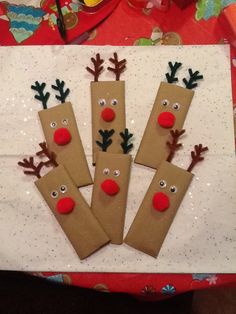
162, 184
63, 188
176, 106
106, 171
114, 102
102, 102
54, 194
173, 189
53, 124
64, 121
116, 173
165, 102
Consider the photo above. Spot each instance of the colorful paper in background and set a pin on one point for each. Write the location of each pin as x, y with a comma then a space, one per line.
190, 26
24, 21
209, 8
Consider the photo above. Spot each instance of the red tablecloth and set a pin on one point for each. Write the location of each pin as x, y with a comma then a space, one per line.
129, 26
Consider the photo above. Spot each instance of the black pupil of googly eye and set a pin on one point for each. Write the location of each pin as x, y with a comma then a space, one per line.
102, 102
54, 194
114, 102
63, 188
173, 189
164, 102
176, 106
162, 183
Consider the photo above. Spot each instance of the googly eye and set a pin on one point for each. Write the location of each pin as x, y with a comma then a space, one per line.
54, 194
64, 121
102, 102
116, 173
165, 102
106, 171
162, 184
53, 124
63, 188
173, 189
176, 106
114, 102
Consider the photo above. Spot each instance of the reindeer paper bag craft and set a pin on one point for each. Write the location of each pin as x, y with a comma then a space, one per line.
108, 103
110, 189
169, 111
67, 204
61, 133
161, 201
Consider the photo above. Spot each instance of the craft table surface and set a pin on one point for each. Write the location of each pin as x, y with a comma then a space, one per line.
121, 29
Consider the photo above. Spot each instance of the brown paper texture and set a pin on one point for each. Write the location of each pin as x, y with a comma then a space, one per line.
153, 148
150, 227
72, 155
110, 210
108, 90
80, 226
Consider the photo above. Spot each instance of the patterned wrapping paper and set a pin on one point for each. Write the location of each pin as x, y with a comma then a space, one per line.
154, 28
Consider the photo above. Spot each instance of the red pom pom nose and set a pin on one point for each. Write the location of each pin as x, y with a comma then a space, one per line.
160, 202
62, 136
108, 114
166, 120
65, 205
110, 187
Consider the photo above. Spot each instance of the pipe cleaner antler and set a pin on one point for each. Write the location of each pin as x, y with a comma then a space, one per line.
63, 93
173, 68
119, 66
30, 165
126, 136
98, 68
196, 156
106, 140
37, 168
174, 145
193, 78
50, 155
41, 96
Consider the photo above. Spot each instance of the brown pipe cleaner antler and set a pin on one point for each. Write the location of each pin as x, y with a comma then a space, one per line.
30, 165
50, 155
98, 68
119, 66
196, 156
174, 146
37, 168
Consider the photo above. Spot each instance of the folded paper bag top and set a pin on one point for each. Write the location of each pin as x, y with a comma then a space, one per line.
67, 204
108, 102
162, 200
62, 135
169, 111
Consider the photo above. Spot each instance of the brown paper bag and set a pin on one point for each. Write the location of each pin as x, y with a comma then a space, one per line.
110, 210
151, 226
71, 155
108, 91
80, 226
153, 149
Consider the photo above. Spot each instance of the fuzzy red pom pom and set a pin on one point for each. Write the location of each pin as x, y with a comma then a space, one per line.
110, 187
62, 136
108, 114
160, 201
65, 205
166, 120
